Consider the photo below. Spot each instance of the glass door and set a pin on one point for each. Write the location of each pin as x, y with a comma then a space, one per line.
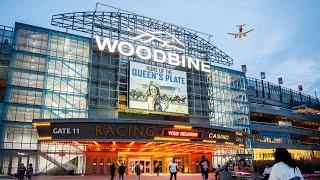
147, 167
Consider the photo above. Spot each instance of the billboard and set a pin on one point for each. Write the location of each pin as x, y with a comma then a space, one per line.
157, 89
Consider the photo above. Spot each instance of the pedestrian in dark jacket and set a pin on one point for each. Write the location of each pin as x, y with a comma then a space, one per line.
137, 170
22, 171
113, 170
121, 171
29, 172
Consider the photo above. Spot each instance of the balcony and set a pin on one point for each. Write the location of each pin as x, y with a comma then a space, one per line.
279, 111
261, 126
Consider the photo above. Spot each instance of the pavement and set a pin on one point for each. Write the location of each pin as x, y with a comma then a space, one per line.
128, 177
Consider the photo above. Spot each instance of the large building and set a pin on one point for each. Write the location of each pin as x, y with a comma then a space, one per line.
114, 86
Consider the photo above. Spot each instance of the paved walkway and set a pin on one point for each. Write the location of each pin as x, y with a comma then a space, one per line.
129, 177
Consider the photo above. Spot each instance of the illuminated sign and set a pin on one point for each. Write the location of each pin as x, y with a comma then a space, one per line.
65, 131
157, 89
145, 53
182, 133
112, 131
219, 136
169, 40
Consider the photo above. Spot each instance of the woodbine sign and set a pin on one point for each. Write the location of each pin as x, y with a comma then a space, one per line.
143, 52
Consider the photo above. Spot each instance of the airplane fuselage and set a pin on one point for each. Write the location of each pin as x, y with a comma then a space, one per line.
240, 33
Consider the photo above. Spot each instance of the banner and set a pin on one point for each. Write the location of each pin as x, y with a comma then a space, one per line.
158, 89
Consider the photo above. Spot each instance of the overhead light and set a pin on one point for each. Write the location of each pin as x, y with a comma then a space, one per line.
170, 139
96, 143
182, 127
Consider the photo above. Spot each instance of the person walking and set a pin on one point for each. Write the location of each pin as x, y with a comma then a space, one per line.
22, 171
29, 172
204, 167
173, 167
217, 171
266, 172
112, 170
158, 169
137, 170
121, 170
285, 167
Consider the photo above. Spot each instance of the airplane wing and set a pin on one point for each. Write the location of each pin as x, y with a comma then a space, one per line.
248, 31
233, 34
241, 25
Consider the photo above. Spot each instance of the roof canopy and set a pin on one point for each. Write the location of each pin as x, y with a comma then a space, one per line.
119, 25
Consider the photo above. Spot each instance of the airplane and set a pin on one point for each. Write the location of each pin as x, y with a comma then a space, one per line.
240, 33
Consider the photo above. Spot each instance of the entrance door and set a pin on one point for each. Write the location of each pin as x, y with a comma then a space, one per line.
98, 166
145, 165
101, 166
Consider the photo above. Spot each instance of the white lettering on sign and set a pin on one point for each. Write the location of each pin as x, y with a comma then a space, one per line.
183, 133
127, 49
65, 130
239, 139
218, 136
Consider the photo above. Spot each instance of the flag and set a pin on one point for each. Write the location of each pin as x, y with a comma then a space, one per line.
280, 81
244, 68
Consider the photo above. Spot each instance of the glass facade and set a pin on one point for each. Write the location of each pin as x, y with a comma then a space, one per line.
47, 78
54, 75
60, 158
228, 99
51, 76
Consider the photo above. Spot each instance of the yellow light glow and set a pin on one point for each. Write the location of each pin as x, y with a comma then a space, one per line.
114, 143
239, 134
95, 142
149, 143
45, 138
171, 139
229, 143
36, 124
182, 127
131, 143
209, 141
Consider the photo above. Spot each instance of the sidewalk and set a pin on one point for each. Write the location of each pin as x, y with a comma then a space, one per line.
129, 177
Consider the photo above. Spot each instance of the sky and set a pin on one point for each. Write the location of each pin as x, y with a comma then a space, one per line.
285, 42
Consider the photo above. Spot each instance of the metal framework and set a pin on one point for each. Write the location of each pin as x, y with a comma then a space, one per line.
116, 24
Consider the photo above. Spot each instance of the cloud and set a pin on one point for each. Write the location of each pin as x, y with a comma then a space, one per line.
297, 71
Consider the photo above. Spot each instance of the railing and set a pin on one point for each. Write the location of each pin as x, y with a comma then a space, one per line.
292, 112
255, 123
295, 97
